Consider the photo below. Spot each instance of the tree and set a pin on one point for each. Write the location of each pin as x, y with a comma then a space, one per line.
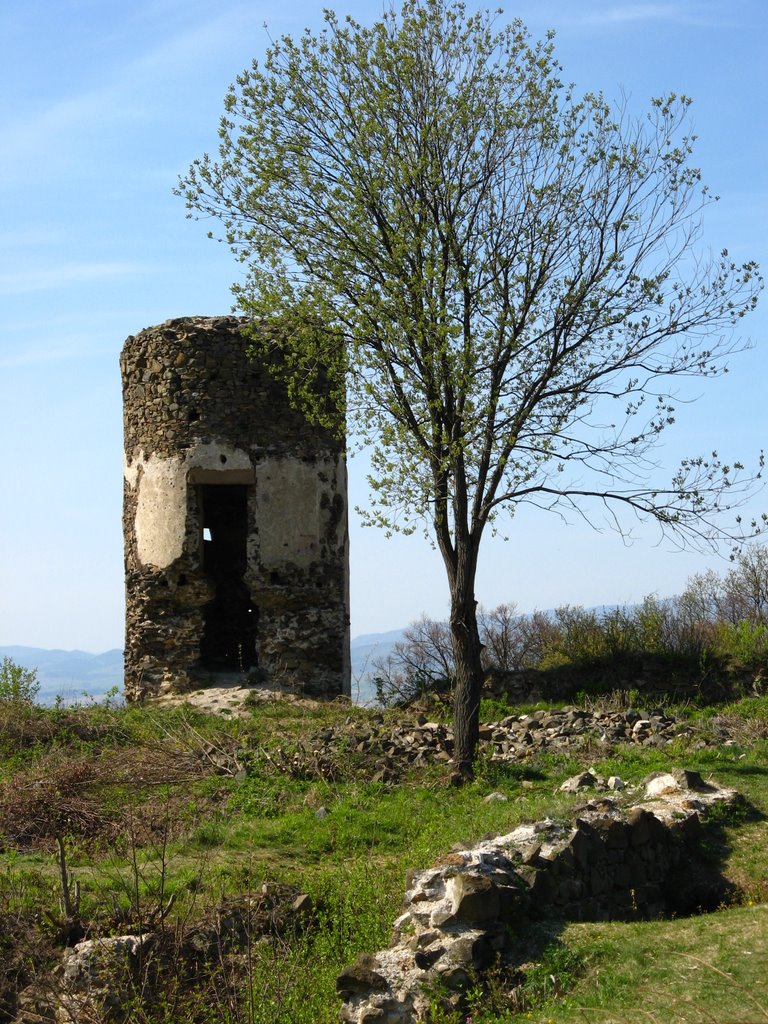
420, 663
502, 278
740, 596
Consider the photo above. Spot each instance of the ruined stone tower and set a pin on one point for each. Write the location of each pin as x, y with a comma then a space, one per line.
234, 518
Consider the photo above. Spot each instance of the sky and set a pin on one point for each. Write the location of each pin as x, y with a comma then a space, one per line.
103, 104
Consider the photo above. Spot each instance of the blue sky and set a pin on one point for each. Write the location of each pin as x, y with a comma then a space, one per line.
103, 104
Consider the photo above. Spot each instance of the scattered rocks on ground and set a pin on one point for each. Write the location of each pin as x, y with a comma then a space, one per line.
386, 747
389, 748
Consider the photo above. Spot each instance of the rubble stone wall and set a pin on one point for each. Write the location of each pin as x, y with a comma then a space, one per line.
200, 416
614, 861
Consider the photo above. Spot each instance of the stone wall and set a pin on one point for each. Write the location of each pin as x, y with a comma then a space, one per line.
234, 519
613, 861
653, 676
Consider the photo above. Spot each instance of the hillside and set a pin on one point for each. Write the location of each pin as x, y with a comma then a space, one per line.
247, 861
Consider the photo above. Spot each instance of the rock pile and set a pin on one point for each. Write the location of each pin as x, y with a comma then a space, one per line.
388, 749
610, 863
516, 736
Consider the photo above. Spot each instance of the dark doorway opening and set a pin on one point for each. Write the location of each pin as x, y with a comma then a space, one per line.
230, 619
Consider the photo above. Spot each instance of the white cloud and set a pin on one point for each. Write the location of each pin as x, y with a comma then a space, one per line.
43, 143
23, 348
30, 236
195, 45
19, 282
69, 348
634, 12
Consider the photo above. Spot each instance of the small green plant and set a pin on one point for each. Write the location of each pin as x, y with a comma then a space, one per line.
555, 973
17, 683
492, 710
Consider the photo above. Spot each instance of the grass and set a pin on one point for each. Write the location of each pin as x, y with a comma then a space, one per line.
701, 969
185, 810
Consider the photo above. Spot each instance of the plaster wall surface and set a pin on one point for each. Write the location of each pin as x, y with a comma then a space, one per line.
288, 511
161, 508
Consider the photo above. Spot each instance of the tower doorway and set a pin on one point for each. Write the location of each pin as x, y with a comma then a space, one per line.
230, 619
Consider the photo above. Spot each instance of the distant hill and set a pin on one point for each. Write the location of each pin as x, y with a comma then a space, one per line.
72, 674
368, 646
364, 649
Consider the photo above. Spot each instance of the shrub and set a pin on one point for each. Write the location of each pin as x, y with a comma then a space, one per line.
420, 663
716, 627
746, 643
17, 683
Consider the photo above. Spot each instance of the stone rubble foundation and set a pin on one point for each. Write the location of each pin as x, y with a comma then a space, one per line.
461, 914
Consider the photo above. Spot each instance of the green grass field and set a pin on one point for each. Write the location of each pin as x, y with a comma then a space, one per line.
166, 815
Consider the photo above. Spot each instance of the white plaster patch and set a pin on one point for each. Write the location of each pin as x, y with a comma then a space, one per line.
218, 457
289, 515
288, 494
161, 511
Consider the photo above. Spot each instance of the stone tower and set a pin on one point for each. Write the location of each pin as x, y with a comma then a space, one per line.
234, 518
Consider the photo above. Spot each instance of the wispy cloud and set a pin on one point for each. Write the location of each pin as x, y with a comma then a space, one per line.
30, 236
43, 144
67, 275
191, 46
20, 347
616, 14
640, 12
43, 336
46, 142
43, 354
629, 13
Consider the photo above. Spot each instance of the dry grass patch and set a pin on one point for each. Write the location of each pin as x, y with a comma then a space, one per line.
87, 796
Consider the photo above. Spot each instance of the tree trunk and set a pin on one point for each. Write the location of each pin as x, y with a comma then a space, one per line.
460, 559
469, 674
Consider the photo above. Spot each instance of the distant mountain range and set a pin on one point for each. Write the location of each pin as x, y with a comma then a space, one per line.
70, 674
75, 674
